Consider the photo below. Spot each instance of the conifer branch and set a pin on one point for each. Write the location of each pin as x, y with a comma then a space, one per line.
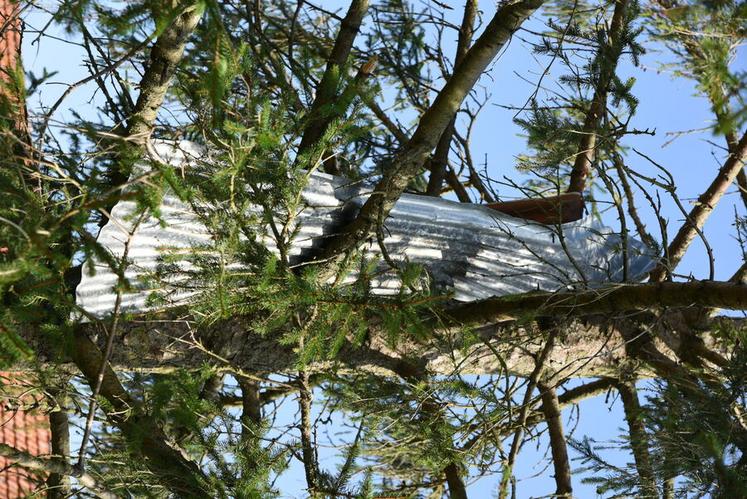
414, 155
715, 92
537, 416
639, 441
165, 460
416, 373
320, 116
609, 54
551, 411
608, 300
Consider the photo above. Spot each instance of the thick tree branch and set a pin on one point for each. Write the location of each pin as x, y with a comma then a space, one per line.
591, 346
175, 471
440, 161
164, 58
12, 91
251, 404
457, 490
321, 115
613, 299
402, 138
609, 54
58, 484
410, 161
697, 217
551, 410
308, 451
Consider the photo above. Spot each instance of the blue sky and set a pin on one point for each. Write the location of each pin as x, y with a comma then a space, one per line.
670, 105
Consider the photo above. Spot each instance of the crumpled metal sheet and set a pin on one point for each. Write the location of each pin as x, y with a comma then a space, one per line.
471, 251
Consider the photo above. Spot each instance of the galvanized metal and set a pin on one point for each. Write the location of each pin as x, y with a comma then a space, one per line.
470, 251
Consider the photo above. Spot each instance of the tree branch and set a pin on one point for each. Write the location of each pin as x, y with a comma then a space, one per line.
310, 465
320, 116
697, 217
164, 58
638, 438
409, 162
551, 410
176, 472
524, 411
58, 484
440, 161
402, 138
609, 54
612, 299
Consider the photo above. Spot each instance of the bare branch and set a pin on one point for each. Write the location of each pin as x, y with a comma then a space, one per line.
697, 217
440, 160
551, 411
524, 411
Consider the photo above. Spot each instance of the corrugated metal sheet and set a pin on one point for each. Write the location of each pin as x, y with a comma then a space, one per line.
472, 251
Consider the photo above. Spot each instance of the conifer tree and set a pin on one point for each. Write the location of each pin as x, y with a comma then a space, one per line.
272, 363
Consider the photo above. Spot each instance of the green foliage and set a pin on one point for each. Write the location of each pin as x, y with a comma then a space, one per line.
242, 91
579, 41
704, 36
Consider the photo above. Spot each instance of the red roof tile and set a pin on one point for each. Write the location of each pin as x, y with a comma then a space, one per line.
27, 430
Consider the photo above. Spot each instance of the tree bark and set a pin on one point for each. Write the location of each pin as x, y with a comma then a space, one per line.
58, 484
609, 300
308, 449
164, 58
11, 70
561, 464
591, 346
457, 490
